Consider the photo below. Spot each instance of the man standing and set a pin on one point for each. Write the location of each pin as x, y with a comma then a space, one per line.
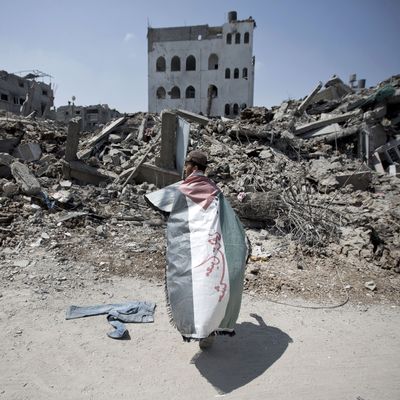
206, 256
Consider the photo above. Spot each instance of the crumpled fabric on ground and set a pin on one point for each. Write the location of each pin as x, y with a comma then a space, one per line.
117, 314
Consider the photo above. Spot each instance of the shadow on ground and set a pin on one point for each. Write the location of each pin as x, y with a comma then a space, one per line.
235, 361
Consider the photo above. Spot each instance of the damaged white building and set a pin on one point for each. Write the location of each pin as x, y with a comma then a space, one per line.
203, 69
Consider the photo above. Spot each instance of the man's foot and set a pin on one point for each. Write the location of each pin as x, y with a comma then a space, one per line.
206, 342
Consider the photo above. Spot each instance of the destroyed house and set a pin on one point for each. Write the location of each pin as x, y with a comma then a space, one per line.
25, 94
92, 116
202, 69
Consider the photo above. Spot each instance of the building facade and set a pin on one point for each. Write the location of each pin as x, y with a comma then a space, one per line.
203, 69
92, 116
25, 94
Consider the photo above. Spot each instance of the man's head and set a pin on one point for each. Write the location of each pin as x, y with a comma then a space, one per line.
195, 161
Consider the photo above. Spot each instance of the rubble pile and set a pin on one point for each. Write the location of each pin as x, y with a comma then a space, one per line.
315, 182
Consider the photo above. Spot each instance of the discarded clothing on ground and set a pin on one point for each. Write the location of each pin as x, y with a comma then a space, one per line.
206, 256
117, 314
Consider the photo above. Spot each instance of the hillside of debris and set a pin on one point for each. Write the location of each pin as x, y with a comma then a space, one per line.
315, 182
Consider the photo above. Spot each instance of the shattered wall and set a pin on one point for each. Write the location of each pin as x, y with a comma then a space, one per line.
22, 95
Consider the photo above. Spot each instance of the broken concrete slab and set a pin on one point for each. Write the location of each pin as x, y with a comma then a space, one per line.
327, 130
28, 152
142, 128
193, 117
100, 137
309, 98
167, 157
359, 180
85, 173
324, 122
24, 178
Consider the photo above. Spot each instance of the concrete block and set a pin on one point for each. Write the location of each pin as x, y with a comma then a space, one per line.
168, 141
26, 181
71, 146
6, 159
28, 152
359, 180
327, 130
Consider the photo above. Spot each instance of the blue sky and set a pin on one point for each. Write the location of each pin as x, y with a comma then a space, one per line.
96, 49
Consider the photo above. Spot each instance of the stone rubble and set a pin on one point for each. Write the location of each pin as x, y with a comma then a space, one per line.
311, 180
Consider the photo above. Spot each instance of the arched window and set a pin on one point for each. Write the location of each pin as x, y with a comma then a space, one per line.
227, 73
236, 73
237, 38
229, 38
213, 61
244, 73
160, 93
160, 64
246, 38
243, 106
175, 93
190, 92
227, 109
175, 63
212, 91
235, 109
191, 63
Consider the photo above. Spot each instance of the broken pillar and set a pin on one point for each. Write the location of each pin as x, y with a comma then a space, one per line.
27, 182
168, 141
71, 146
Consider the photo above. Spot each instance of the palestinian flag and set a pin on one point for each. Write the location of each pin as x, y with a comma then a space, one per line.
206, 256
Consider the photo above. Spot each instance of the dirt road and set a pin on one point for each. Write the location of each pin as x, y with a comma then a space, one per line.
279, 352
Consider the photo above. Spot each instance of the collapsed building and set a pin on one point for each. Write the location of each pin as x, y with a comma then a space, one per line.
203, 69
91, 116
300, 175
24, 94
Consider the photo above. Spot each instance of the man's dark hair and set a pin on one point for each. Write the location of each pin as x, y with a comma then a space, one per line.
199, 166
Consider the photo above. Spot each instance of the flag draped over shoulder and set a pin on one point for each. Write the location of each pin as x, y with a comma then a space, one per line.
206, 257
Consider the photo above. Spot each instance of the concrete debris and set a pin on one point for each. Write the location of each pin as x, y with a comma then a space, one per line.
318, 178
24, 178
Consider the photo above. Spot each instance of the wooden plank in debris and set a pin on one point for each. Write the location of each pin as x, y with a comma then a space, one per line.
323, 122
99, 137
193, 117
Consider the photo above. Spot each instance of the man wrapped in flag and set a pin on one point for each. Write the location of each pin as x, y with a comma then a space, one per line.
207, 251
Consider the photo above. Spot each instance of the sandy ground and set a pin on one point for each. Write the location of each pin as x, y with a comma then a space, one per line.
279, 352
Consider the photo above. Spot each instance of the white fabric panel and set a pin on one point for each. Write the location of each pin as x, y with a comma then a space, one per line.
210, 276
